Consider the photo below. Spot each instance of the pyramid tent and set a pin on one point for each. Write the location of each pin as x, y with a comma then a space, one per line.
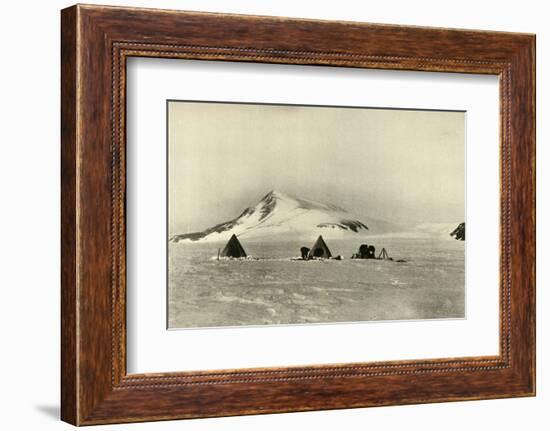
233, 248
319, 249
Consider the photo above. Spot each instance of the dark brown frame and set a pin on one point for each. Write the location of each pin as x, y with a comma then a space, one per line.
96, 41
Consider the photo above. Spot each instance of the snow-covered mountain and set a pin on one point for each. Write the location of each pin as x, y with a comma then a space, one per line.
279, 215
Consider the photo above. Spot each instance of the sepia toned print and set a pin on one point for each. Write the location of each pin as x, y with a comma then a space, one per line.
291, 214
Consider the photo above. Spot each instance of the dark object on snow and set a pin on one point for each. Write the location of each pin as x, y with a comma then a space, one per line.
233, 248
365, 252
368, 252
319, 249
384, 255
304, 251
371, 252
460, 232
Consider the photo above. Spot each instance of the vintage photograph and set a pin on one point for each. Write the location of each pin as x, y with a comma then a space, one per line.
298, 214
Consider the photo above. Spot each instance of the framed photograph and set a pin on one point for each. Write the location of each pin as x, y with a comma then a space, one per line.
265, 215
350, 200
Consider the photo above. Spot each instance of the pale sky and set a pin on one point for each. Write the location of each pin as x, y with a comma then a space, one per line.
402, 166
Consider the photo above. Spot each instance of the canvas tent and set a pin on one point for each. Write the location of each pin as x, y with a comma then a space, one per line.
319, 249
233, 248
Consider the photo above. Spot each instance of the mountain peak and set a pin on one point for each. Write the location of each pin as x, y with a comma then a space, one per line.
270, 200
276, 194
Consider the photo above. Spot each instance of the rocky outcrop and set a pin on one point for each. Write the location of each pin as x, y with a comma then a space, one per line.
460, 232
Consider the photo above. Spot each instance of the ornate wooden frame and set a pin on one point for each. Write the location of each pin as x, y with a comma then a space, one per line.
96, 41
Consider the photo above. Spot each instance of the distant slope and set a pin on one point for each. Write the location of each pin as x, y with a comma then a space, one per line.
278, 215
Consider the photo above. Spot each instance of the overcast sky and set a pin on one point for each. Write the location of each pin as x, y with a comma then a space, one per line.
402, 166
